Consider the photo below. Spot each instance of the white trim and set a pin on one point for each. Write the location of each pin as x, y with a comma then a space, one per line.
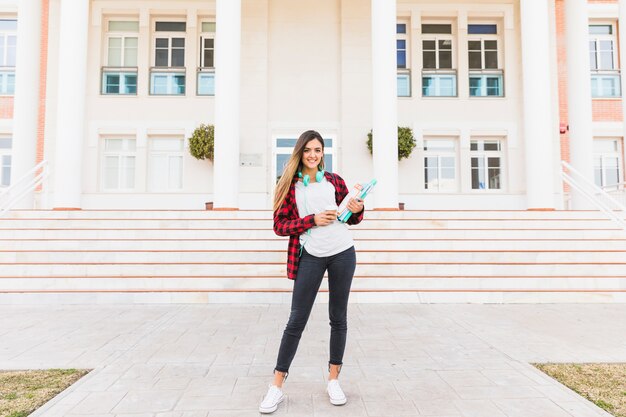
602, 11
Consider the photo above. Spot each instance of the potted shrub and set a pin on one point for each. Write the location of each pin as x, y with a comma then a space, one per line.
201, 146
406, 144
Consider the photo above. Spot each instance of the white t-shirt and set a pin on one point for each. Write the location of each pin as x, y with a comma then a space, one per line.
322, 240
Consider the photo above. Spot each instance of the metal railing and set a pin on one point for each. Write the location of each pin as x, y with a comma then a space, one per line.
479, 83
167, 81
119, 81
615, 210
403, 79
205, 81
439, 83
605, 83
29, 182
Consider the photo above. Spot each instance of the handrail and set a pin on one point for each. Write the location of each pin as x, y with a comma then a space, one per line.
592, 192
12, 195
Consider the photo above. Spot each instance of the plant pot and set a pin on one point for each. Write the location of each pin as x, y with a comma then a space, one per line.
208, 205
401, 206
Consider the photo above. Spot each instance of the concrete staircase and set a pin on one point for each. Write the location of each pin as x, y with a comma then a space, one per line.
212, 256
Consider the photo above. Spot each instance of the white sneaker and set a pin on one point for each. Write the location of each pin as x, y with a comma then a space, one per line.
273, 397
337, 397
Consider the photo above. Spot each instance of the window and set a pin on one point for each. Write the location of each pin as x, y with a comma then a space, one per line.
8, 45
5, 161
438, 75
605, 78
402, 60
167, 77
485, 75
607, 163
165, 164
486, 162
284, 149
169, 44
206, 69
119, 75
440, 165
118, 164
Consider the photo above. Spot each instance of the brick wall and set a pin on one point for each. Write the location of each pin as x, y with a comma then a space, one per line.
562, 74
6, 107
43, 62
607, 110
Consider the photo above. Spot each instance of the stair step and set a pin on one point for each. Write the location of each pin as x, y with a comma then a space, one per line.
280, 256
383, 234
277, 243
267, 224
281, 283
215, 256
267, 214
278, 269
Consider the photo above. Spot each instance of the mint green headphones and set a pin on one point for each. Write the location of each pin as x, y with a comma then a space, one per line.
306, 179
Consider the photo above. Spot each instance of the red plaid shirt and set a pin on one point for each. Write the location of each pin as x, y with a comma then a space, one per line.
287, 222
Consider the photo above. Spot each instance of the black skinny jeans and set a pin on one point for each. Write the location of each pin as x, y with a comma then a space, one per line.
310, 273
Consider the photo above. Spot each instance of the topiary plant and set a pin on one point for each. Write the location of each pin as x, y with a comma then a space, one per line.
406, 142
202, 141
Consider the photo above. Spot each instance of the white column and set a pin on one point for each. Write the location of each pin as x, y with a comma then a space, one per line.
385, 103
538, 132
227, 82
70, 125
26, 101
621, 28
579, 94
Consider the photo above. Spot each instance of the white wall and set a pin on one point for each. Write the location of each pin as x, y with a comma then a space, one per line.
305, 65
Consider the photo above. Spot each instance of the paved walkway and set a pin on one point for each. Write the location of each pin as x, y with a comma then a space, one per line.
401, 360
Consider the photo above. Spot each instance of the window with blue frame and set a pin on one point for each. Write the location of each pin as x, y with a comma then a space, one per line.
119, 75
438, 72
402, 60
8, 51
485, 75
605, 75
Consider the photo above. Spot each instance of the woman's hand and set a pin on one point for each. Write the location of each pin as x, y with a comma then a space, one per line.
325, 218
355, 205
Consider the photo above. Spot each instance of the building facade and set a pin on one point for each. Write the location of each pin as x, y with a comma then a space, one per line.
496, 93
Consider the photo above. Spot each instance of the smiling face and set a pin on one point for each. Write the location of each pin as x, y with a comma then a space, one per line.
312, 154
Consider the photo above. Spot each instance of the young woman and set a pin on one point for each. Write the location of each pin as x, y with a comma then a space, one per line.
305, 209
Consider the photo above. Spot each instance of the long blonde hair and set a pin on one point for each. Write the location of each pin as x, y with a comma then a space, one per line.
294, 165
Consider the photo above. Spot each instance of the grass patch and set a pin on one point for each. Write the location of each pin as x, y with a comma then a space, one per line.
22, 392
604, 384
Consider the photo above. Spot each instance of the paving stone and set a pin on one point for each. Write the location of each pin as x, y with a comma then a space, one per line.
404, 359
